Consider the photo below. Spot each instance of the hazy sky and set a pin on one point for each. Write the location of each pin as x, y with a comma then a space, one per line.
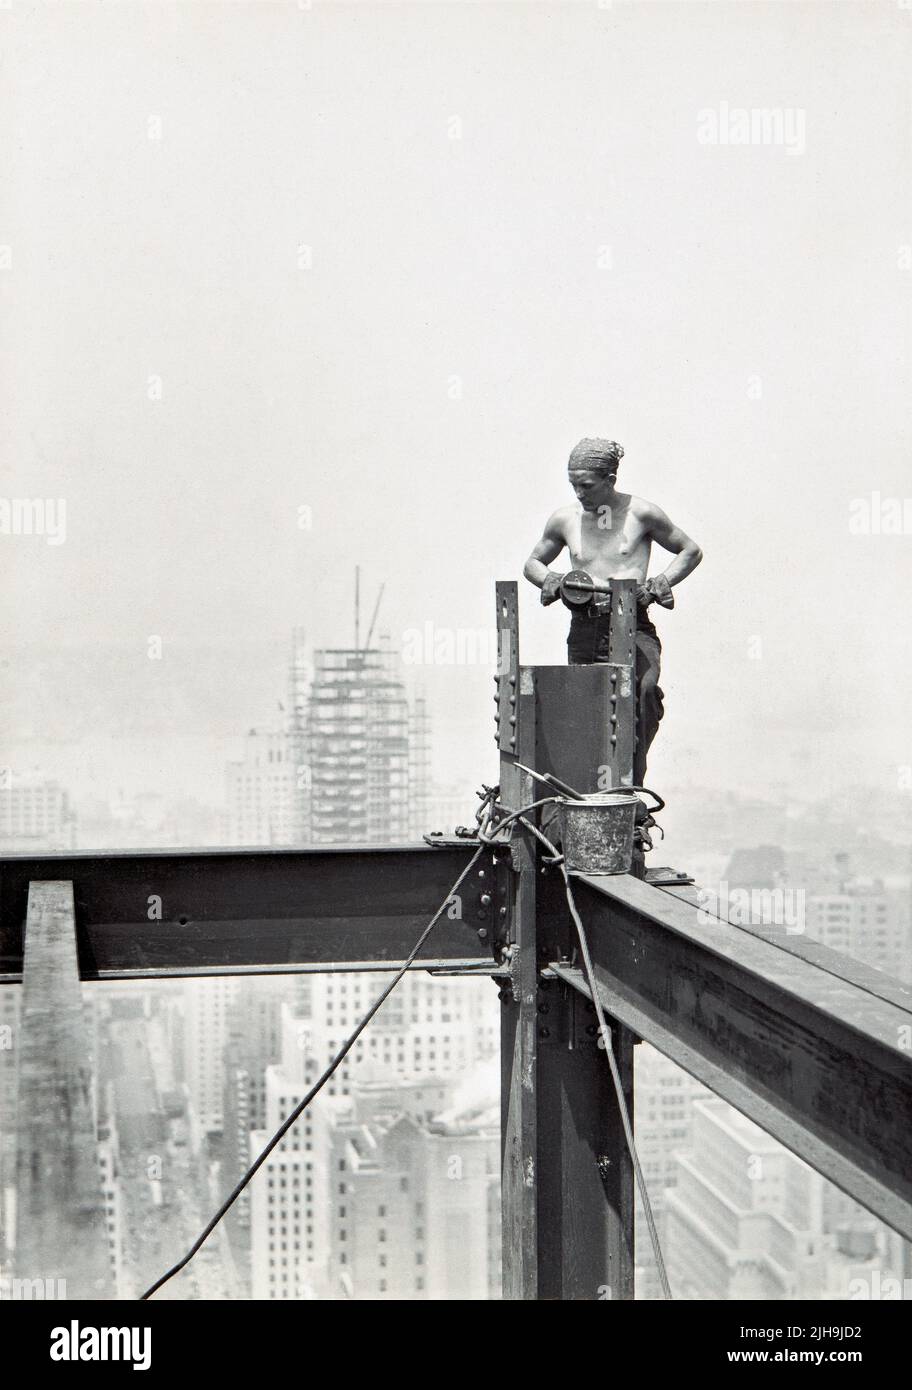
389, 262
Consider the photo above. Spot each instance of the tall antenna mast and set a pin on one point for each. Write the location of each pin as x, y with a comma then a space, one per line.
357, 607
370, 630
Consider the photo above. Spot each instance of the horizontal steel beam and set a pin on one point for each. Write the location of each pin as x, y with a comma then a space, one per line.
60, 1208
196, 912
817, 1060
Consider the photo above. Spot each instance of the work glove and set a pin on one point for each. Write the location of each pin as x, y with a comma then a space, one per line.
657, 590
550, 591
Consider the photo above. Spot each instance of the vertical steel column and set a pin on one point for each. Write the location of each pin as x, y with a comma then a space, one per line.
61, 1232
518, 1039
586, 1183
567, 1180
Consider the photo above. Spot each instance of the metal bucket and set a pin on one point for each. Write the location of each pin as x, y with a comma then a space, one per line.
597, 832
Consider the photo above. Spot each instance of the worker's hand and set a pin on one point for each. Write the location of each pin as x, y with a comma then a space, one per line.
656, 590
550, 591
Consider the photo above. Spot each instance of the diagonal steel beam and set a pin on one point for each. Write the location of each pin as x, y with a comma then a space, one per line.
817, 1060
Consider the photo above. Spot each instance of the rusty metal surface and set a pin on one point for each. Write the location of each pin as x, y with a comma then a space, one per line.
506, 678
622, 630
819, 1062
598, 839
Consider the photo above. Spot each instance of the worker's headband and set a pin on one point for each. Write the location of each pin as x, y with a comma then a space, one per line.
595, 456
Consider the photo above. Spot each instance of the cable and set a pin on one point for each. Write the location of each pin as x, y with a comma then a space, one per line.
511, 816
317, 1086
605, 1034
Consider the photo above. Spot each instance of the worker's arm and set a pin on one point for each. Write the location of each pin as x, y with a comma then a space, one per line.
547, 549
687, 554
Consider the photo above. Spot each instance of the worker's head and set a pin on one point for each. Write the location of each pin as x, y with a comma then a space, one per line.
592, 471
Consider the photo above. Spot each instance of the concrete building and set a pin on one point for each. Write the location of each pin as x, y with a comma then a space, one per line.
415, 1212
429, 1037
290, 1194
35, 814
428, 1028
745, 1217
253, 1044
862, 919
665, 1096
261, 791
205, 1034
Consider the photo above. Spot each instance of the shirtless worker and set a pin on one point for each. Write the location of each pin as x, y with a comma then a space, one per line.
610, 534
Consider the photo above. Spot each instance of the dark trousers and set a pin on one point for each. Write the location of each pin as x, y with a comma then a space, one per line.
587, 644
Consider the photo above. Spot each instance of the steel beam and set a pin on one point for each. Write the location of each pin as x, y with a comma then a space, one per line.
817, 1060
197, 912
567, 1182
61, 1233
585, 1176
519, 1098
585, 724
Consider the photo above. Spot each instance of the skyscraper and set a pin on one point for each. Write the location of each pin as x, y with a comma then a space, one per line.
414, 1203
261, 791
358, 748
206, 1004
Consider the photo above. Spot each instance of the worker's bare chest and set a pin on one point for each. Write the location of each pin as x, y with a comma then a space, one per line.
607, 539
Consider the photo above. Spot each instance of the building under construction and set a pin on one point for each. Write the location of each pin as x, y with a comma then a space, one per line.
358, 749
